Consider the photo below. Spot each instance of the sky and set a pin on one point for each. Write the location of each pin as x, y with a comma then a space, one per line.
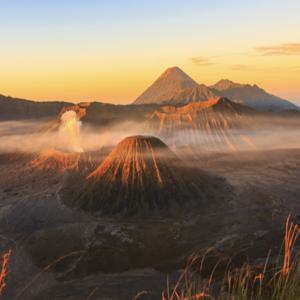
110, 51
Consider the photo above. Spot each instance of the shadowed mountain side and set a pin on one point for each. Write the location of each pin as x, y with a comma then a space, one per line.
20, 109
104, 114
252, 96
92, 112
110, 114
142, 176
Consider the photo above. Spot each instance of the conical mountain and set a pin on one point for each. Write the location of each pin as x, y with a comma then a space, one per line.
172, 82
142, 175
225, 84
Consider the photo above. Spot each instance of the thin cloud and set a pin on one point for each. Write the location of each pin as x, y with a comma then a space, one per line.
213, 59
283, 49
202, 61
242, 67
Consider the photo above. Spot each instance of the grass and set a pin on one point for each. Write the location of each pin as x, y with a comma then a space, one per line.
4, 270
271, 281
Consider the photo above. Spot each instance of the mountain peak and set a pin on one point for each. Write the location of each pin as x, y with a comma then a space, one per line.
173, 71
174, 86
225, 84
166, 87
142, 150
251, 95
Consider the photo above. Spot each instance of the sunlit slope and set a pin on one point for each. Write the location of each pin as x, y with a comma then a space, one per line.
143, 176
216, 124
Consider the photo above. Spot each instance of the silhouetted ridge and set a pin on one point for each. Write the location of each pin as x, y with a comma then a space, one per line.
20, 109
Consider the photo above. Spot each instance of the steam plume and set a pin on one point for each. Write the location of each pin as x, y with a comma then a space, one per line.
69, 132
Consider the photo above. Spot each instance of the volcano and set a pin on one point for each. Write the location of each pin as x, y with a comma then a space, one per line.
142, 175
175, 87
171, 83
252, 96
218, 113
212, 125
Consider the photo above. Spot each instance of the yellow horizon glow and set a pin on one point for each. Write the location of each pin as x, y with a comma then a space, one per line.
123, 84
111, 51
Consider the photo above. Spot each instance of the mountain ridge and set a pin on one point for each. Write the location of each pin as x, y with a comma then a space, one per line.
21, 109
251, 95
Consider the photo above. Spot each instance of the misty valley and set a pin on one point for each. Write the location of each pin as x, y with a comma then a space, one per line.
103, 201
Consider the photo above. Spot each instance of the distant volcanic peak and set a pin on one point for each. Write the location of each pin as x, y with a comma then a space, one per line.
252, 96
176, 87
52, 159
225, 84
175, 73
167, 86
133, 159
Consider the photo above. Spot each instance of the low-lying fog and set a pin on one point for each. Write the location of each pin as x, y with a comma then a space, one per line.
74, 136
28, 136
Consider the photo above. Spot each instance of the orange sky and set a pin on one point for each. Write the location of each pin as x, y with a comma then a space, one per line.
111, 52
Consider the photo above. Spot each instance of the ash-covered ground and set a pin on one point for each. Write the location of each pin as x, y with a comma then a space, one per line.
64, 253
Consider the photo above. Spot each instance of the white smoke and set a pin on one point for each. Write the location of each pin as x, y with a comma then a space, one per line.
69, 132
